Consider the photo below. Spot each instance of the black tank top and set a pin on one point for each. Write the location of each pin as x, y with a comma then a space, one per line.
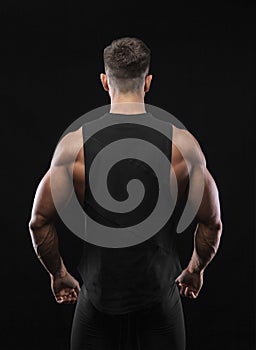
124, 279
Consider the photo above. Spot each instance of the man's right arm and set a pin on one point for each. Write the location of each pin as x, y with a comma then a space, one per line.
209, 227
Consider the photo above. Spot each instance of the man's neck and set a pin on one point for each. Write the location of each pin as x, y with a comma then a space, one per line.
127, 104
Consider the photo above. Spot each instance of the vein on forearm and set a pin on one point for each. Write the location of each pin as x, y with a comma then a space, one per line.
46, 245
206, 243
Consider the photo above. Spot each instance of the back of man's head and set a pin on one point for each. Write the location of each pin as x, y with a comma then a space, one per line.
126, 62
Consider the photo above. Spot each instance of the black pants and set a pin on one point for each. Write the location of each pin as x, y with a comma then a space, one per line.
159, 327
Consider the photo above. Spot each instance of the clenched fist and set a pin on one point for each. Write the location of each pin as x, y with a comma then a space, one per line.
190, 283
65, 288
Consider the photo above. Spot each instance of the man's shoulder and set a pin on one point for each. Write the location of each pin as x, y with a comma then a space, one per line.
68, 148
181, 135
188, 146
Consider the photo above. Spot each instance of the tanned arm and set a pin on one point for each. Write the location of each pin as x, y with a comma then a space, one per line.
209, 225
42, 228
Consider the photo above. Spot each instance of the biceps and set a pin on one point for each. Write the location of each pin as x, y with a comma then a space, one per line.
52, 195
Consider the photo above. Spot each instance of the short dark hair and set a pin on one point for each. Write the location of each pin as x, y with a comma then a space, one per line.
127, 59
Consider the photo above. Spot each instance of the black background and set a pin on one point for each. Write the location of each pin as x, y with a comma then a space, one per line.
203, 63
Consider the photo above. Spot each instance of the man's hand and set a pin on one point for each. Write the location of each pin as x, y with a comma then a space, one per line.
65, 288
190, 283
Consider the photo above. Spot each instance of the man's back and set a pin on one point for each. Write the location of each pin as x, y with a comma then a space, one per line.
72, 144
140, 267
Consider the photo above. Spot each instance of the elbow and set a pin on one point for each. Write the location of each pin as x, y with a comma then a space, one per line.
215, 231
211, 230
33, 224
219, 227
36, 223
214, 224
38, 228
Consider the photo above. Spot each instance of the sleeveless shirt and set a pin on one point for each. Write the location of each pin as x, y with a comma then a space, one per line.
123, 279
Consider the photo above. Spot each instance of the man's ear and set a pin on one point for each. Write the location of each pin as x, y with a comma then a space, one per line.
104, 81
148, 80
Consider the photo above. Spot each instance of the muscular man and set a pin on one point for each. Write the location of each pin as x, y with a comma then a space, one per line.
130, 296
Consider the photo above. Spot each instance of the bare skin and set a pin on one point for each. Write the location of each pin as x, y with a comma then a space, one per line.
44, 237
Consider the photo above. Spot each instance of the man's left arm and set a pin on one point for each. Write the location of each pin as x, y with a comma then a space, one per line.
53, 191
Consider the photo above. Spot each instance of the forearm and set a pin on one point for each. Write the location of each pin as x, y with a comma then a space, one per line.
45, 243
206, 244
